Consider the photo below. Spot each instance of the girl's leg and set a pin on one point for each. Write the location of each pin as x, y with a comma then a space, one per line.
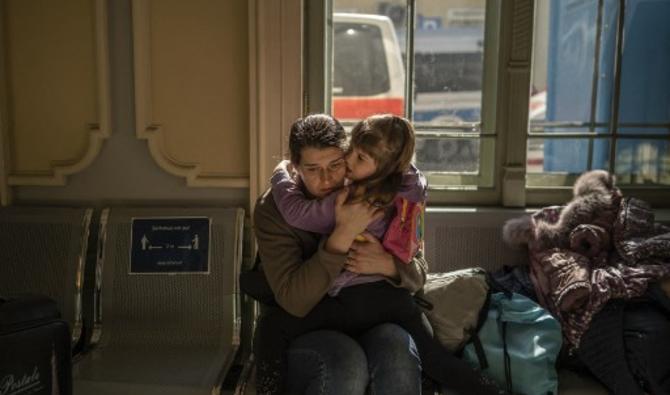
395, 305
441, 365
269, 352
276, 329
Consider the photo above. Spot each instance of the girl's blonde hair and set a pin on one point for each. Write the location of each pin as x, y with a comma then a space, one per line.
389, 140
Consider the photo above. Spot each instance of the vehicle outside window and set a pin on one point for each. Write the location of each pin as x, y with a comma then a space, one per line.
448, 75
448, 91
368, 74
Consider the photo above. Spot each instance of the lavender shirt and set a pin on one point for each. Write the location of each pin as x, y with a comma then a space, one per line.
318, 215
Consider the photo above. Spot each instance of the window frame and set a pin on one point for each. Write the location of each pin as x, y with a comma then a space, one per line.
544, 195
504, 110
319, 15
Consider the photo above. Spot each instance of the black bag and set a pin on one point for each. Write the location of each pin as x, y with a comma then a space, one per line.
254, 283
34, 347
646, 328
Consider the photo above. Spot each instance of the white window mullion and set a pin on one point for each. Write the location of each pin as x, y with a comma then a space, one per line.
518, 14
409, 59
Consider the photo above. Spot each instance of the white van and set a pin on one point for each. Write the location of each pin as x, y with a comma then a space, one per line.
448, 75
368, 73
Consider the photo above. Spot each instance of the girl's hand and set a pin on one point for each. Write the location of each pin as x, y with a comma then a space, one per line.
351, 219
356, 216
370, 257
284, 165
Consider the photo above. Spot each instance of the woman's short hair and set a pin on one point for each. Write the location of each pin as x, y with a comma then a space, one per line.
315, 131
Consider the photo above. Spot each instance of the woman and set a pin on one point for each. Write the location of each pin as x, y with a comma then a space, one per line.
300, 269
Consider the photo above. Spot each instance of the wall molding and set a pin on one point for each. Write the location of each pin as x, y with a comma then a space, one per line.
153, 130
98, 131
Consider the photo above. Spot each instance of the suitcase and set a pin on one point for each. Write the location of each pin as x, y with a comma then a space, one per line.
35, 354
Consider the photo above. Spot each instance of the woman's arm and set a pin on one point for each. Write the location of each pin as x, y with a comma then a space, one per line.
298, 282
370, 257
312, 215
412, 275
298, 267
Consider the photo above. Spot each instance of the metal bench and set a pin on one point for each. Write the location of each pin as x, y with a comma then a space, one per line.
43, 250
163, 333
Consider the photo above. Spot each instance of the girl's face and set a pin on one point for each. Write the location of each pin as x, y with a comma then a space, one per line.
360, 165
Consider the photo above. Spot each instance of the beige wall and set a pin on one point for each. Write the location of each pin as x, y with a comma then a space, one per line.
192, 88
55, 87
124, 170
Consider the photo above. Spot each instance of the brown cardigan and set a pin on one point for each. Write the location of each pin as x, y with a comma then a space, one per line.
298, 268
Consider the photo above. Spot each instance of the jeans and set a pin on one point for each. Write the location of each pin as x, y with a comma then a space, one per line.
355, 310
382, 360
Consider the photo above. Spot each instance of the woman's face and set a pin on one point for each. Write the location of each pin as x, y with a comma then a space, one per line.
360, 165
322, 170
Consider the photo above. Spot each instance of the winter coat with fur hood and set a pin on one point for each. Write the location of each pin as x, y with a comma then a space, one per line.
614, 257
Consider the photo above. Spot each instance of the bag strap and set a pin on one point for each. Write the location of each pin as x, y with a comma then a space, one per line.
257, 262
479, 351
508, 365
422, 302
474, 335
403, 215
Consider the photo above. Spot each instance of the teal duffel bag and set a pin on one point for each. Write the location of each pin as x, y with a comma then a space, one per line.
517, 346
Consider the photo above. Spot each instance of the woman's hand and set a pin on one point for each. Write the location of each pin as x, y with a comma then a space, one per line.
370, 257
351, 219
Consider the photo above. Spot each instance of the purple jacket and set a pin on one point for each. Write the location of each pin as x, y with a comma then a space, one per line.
318, 215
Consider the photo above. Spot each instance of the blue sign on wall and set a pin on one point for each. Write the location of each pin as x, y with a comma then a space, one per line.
169, 245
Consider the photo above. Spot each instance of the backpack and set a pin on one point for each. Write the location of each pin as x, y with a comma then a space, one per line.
452, 303
517, 345
404, 236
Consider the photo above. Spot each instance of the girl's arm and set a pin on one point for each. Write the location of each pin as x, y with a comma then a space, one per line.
312, 215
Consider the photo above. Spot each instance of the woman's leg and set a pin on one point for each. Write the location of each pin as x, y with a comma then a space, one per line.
393, 361
326, 363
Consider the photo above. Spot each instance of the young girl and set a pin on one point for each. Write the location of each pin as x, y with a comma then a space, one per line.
380, 172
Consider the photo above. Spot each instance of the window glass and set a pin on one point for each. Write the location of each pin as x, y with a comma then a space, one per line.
448, 61
370, 52
360, 69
